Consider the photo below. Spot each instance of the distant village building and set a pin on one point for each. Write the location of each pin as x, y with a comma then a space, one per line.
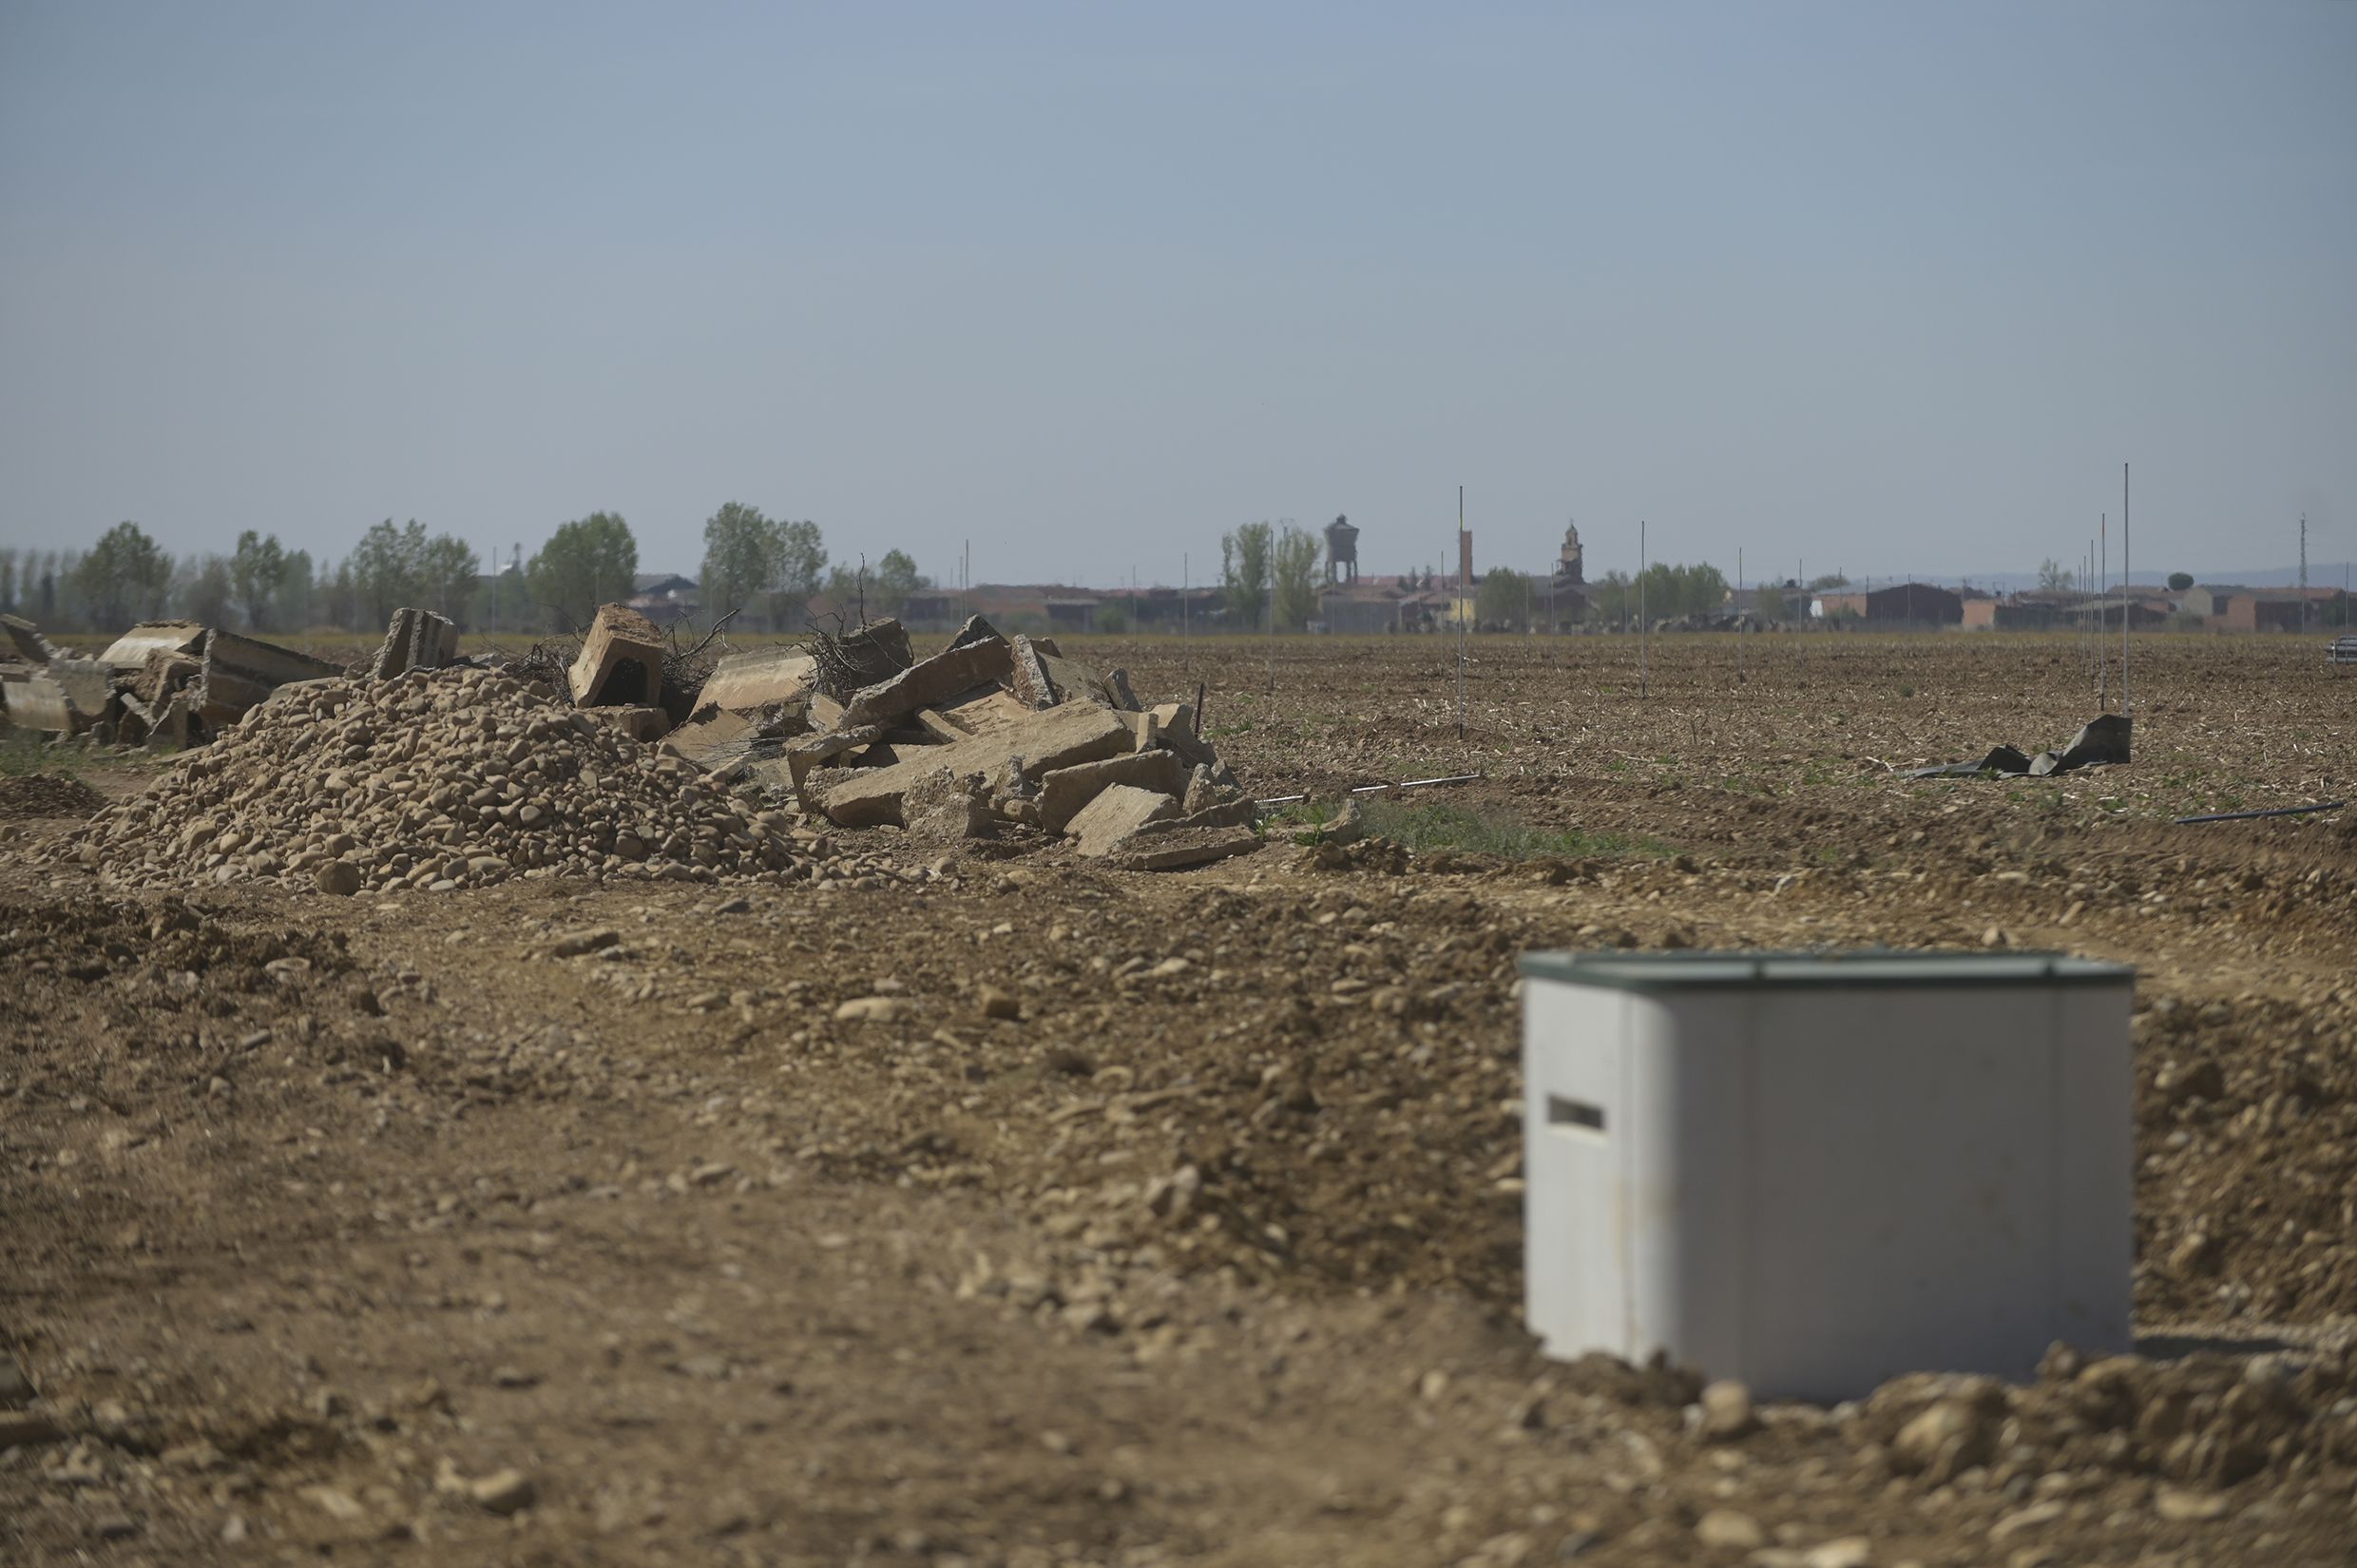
1902, 604
664, 596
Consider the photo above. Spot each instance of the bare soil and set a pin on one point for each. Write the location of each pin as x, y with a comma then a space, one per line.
371, 1230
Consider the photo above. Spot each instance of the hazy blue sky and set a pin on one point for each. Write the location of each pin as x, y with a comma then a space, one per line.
1891, 287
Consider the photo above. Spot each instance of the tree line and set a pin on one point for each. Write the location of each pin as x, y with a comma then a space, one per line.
765, 571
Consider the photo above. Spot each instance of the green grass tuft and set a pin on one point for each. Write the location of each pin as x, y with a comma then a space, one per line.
1447, 828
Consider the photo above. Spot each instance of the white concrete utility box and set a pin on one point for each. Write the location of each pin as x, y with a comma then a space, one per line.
1814, 1172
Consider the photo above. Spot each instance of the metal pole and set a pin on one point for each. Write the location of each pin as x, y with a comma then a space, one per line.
1465, 587
1740, 621
2127, 692
2103, 586
1186, 617
1644, 625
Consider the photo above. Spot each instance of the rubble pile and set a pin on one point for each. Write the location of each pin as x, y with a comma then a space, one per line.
163, 683
436, 780
991, 735
48, 794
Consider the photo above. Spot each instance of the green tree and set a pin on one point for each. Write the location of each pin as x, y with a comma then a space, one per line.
587, 563
445, 574
1831, 580
1504, 599
1613, 598
1293, 576
2179, 581
744, 558
124, 579
2054, 577
205, 588
254, 574
1244, 572
384, 574
897, 578
797, 573
291, 595
7, 581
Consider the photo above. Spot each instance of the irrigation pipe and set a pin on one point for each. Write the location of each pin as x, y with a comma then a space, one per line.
2245, 816
1375, 789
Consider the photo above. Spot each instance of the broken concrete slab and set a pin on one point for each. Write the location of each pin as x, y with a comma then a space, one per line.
975, 630
851, 663
931, 682
1110, 820
942, 807
130, 650
1175, 723
1066, 791
621, 662
21, 639
415, 639
760, 678
988, 710
1175, 846
1061, 737
35, 702
805, 753
166, 672
238, 672
87, 682
1028, 678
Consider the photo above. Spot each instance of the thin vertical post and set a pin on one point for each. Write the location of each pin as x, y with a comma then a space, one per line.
1740, 624
1464, 588
2127, 692
1644, 622
1186, 613
2103, 586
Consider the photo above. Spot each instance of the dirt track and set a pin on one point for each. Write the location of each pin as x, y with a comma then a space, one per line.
1212, 1255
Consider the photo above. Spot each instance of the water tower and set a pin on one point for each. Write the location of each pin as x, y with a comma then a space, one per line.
1341, 551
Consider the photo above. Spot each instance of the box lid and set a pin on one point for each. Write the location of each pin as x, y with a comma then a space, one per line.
1874, 966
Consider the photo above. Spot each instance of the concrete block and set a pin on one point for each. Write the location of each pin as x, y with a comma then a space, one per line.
1174, 846
621, 662
760, 678
1059, 738
929, 683
1027, 677
944, 807
1065, 792
415, 639
238, 672
1113, 818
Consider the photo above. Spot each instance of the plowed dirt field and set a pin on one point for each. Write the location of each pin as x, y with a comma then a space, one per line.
1147, 1219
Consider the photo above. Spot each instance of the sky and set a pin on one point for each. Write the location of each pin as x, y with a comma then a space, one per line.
1893, 289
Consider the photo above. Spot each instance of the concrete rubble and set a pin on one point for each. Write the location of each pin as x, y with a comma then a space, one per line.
989, 736
163, 683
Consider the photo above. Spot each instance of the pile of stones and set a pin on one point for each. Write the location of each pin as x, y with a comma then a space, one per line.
438, 779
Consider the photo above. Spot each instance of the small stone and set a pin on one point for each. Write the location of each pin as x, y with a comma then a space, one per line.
503, 1491
16, 1387
2179, 1505
2029, 1517
574, 944
114, 1525
1726, 1530
1846, 1551
998, 1003
337, 1504
870, 1009
340, 878
1727, 1413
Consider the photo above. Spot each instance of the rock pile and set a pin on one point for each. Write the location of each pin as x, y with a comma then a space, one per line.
48, 794
436, 780
989, 734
